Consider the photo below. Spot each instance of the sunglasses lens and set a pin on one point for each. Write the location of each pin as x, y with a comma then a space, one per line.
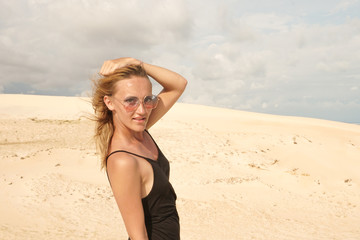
151, 101
131, 103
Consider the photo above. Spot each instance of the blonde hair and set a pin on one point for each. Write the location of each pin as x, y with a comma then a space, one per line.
104, 125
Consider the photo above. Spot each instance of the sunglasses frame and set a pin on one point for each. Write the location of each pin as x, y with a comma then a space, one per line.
129, 108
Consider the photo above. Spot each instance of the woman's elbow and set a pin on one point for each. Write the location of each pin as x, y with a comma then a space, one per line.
184, 83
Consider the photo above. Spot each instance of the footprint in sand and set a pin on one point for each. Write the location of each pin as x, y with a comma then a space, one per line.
275, 162
295, 139
348, 181
253, 165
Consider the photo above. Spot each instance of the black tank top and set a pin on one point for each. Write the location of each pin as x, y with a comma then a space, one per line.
161, 216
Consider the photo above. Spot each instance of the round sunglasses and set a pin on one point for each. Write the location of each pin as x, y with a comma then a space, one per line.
132, 103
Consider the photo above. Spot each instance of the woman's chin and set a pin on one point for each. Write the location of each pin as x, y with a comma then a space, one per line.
139, 127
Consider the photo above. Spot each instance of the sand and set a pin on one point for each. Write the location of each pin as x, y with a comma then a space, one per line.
238, 175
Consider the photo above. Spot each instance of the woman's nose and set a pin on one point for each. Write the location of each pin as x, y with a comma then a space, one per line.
141, 108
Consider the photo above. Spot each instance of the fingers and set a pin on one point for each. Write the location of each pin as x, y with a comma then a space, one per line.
110, 66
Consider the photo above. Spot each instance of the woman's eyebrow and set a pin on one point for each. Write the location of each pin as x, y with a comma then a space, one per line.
127, 97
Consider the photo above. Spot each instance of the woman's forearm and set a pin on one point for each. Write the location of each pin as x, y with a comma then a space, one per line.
169, 80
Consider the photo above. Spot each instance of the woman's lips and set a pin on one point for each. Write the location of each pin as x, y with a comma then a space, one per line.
139, 119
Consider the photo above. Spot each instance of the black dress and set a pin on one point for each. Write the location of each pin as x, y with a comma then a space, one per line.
161, 216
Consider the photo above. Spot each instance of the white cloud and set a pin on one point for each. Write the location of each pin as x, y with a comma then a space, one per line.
55, 40
259, 56
283, 58
343, 6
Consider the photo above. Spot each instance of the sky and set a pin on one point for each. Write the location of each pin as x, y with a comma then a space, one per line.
284, 57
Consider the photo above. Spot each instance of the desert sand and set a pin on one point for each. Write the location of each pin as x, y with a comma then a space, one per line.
237, 175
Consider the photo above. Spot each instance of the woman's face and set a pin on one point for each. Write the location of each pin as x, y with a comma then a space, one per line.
127, 91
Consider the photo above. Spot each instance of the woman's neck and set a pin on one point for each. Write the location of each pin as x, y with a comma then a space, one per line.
128, 135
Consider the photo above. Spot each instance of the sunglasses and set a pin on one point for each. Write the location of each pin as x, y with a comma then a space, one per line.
132, 103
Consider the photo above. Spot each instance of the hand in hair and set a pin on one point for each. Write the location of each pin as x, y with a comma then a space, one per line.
110, 66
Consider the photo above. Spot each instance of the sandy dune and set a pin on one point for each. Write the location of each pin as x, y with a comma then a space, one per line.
238, 175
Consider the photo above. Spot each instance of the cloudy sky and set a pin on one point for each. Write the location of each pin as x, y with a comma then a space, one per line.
282, 57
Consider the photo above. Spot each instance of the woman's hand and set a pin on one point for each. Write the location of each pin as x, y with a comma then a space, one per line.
110, 66
173, 84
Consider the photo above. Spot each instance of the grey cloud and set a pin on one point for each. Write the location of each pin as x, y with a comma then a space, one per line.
269, 57
273, 68
55, 44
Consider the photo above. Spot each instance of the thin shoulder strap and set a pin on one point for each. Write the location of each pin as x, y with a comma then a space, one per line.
117, 152
125, 152
135, 153
153, 141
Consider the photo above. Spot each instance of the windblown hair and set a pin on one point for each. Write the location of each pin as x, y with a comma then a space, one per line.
104, 125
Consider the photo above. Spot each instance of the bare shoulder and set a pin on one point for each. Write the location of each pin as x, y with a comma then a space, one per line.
125, 179
122, 162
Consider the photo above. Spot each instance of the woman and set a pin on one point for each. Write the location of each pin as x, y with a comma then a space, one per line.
125, 109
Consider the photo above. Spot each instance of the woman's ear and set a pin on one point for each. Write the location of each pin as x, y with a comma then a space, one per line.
109, 103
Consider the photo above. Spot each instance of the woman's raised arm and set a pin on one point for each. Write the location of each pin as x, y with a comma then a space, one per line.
173, 84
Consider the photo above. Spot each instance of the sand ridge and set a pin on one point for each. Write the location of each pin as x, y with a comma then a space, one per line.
238, 175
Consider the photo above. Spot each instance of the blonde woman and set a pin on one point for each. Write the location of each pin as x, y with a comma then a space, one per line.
125, 108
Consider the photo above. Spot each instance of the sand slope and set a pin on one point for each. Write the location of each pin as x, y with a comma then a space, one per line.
238, 175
